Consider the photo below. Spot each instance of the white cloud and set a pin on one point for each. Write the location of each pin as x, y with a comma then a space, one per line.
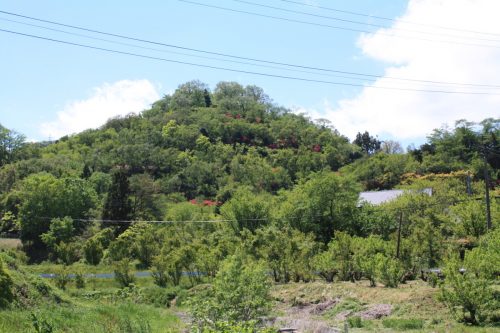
413, 115
106, 101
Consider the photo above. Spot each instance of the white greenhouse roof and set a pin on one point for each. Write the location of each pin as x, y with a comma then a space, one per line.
379, 197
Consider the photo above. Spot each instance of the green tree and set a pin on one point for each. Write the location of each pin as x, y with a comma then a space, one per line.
368, 144
469, 294
323, 204
44, 198
117, 206
240, 293
247, 210
11, 143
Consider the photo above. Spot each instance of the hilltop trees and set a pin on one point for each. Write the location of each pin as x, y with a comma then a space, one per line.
11, 143
367, 143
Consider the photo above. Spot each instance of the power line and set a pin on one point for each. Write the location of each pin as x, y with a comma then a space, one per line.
204, 57
245, 71
248, 58
361, 23
332, 26
180, 53
390, 19
266, 219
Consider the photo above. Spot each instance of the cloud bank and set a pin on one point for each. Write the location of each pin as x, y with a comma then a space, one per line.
413, 115
109, 100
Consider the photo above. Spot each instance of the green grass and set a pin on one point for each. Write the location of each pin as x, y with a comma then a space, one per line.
403, 324
93, 317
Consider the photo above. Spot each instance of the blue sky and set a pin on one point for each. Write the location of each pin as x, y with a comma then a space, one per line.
48, 89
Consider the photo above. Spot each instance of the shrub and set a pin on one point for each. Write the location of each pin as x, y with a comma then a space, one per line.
470, 298
41, 325
160, 297
122, 273
240, 293
79, 280
69, 252
433, 280
389, 270
403, 324
160, 272
232, 327
6, 284
61, 278
355, 322
93, 251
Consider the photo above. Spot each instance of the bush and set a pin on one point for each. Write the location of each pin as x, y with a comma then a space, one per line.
93, 251
389, 270
470, 298
403, 324
122, 273
6, 284
160, 272
160, 297
240, 293
355, 322
41, 325
61, 278
69, 252
232, 327
79, 280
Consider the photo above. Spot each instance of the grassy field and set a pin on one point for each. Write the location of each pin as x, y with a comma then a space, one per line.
101, 306
93, 317
414, 307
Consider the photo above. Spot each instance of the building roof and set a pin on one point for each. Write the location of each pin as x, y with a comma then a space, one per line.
379, 197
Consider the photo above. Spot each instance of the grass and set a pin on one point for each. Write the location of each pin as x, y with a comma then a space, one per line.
93, 317
403, 324
10, 243
415, 306
101, 306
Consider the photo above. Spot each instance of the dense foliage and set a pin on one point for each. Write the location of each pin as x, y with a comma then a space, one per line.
234, 186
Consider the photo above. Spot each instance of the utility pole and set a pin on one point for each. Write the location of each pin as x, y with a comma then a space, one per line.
487, 188
399, 233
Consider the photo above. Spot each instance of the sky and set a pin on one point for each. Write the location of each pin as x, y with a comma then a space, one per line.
418, 64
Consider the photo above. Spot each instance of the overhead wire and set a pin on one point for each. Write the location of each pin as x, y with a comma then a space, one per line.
245, 71
181, 53
267, 219
315, 68
292, 69
432, 33
390, 19
333, 26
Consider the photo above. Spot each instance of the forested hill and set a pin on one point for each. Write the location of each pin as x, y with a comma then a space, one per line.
206, 147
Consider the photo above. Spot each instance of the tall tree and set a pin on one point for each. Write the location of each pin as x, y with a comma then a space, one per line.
118, 206
10, 143
368, 143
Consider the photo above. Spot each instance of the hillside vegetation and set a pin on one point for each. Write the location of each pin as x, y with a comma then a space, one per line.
229, 200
